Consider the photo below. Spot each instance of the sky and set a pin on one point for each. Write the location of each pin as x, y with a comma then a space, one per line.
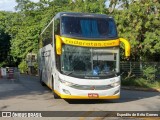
8, 5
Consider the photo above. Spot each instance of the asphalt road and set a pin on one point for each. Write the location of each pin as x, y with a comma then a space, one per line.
28, 95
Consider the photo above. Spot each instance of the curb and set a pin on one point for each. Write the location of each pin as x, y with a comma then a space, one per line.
140, 89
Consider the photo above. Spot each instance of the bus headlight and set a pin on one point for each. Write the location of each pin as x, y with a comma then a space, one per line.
65, 82
115, 84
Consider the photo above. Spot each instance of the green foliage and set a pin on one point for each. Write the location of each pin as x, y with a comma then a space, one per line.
26, 25
36, 66
2, 64
141, 82
4, 41
139, 23
23, 67
135, 82
149, 73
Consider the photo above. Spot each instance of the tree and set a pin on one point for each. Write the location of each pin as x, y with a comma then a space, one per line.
121, 3
140, 24
4, 41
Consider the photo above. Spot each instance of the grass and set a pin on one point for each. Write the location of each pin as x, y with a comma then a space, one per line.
141, 82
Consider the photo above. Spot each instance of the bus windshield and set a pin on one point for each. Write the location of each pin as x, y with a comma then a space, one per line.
95, 62
91, 28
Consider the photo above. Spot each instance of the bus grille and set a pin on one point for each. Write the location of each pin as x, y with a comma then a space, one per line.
92, 87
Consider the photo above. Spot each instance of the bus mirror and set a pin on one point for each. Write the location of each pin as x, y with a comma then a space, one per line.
127, 46
58, 45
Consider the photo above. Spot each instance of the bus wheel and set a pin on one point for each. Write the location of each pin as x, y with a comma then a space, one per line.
40, 79
54, 94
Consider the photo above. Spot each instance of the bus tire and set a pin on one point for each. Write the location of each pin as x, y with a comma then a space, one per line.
40, 79
54, 94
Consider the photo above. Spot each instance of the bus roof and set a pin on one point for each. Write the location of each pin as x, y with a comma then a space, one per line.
77, 14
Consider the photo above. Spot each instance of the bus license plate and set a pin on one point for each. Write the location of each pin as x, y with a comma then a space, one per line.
93, 95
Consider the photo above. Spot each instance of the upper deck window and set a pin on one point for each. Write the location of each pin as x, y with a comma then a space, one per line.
84, 27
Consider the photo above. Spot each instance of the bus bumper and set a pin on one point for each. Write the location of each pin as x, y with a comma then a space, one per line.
95, 94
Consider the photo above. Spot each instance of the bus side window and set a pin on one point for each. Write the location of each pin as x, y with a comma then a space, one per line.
47, 35
57, 32
57, 27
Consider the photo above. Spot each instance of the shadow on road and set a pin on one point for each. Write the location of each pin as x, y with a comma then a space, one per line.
29, 85
126, 96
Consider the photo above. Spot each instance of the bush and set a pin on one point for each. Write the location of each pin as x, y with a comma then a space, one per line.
36, 67
149, 73
140, 82
23, 67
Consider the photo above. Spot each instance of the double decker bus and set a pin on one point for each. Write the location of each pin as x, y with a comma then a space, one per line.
79, 56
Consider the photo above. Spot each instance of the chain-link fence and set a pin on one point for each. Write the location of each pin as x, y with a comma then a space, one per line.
147, 70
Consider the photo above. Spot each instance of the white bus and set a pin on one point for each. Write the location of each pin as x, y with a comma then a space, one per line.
79, 56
